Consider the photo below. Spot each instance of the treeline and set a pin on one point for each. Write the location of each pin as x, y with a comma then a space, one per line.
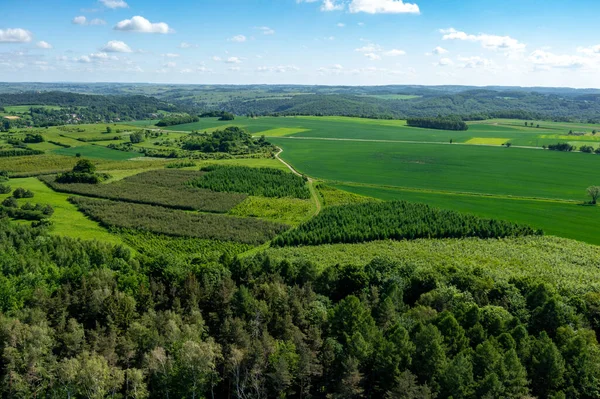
177, 120
173, 222
264, 182
446, 123
81, 318
562, 147
397, 220
19, 152
166, 188
222, 115
82, 108
232, 140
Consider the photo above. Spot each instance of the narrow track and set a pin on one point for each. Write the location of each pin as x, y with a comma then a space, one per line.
311, 182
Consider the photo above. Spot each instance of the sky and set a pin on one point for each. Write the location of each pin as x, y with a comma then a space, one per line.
326, 42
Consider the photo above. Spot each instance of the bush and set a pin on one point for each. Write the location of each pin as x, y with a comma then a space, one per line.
180, 165
10, 202
562, 147
587, 149
137, 137
33, 138
5, 189
84, 166
22, 193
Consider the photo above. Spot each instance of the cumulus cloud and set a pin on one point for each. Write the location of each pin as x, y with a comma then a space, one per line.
95, 57
373, 56
15, 35
439, 51
492, 42
266, 30
170, 55
545, 60
114, 4
475, 62
170, 65
43, 45
238, 39
589, 50
81, 20
341, 25
383, 7
278, 69
116, 46
216, 58
234, 68
331, 5
369, 48
335, 69
187, 45
142, 25
445, 62
233, 60
394, 53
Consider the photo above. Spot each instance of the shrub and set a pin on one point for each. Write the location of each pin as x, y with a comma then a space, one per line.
10, 202
587, 149
22, 193
5, 189
84, 166
561, 147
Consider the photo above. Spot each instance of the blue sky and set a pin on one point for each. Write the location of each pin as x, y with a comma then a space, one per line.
352, 42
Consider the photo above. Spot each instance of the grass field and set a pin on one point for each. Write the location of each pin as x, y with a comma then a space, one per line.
455, 168
97, 152
19, 109
67, 220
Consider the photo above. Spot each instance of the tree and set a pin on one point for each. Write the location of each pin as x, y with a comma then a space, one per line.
84, 166
508, 145
136, 137
547, 366
594, 193
407, 387
108, 129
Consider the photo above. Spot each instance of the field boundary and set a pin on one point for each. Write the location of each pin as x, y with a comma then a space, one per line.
311, 182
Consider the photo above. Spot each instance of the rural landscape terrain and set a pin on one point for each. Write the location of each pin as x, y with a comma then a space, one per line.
299, 199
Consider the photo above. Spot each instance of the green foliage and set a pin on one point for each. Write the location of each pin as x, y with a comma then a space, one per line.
446, 123
5, 189
84, 166
19, 152
180, 165
232, 140
177, 120
178, 223
587, 149
264, 182
84, 172
165, 187
22, 193
333, 196
291, 211
33, 138
137, 137
562, 147
396, 220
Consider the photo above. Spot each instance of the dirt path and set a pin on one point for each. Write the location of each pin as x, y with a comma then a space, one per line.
311, 183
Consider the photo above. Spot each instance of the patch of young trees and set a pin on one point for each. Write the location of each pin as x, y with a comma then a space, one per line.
84, 172
562, 147
232, 140
398, 220
264, 182
166, 188
442, 123
178, 223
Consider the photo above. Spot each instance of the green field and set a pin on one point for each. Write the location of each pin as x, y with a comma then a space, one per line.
441, 167
97, 152
20, 109
67, 220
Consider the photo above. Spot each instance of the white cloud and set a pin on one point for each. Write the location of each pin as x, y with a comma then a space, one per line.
116, 46
216, 58
361, 24
546, 60
187, 45
335, 69
278, 69
16, 35
95, 57
330, 5
235, 69
170, 55
84, 59
266, 30
142, 25
97, 21
475, 62
383, 7
445, 62
341, 25
439, 51
44, 45
203, 69
369, 48
80, 20
589, 50
492, 42
186, 70
114, 3
233, 60
238, 39
170, 65
394, 53
373, 56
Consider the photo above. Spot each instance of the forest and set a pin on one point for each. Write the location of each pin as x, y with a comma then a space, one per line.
177, 119
396, 220
84, 319
447, 123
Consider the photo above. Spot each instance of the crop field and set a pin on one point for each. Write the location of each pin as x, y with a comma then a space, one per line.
97, 152
67, 220
474, 169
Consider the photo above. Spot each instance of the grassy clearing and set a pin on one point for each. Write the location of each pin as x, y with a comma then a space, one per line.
474, 169
566, 264
280, 132
67, 220
97, 152
487, 141
564, 219
332, 196
289, 211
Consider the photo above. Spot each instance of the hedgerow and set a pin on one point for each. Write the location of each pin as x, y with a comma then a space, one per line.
395, 220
